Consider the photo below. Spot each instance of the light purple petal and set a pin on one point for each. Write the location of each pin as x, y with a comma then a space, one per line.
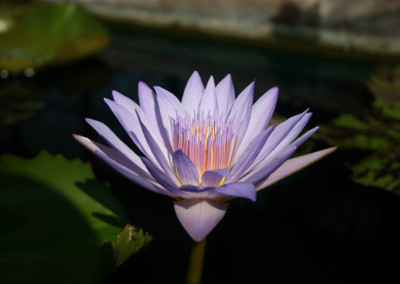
238, 189
147, 100
118, 145
276, 137
200, 191
121, 165
164, 180
170, 107
294, 165
199, 216
261, 114
241, 111
196, 188
293, 133
124, 100
208, 103
267, 168
214, 177
250, 154
133, 107
163, 130
304, 137
131, 125
158, 153
193, 93
225, 95
187, 171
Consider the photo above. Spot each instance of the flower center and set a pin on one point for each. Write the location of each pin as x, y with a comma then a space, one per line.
209, 142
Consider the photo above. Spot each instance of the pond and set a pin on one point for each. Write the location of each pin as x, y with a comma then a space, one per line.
317, 226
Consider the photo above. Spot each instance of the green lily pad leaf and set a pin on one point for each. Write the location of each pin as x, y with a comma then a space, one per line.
42, 34
50, 229
129, 242
377, 130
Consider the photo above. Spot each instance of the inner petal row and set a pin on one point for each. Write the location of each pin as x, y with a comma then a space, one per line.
209, 142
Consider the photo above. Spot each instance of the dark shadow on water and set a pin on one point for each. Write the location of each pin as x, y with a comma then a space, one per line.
44, 238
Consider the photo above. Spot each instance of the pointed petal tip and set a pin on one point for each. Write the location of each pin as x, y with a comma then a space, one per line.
195, 77
159, 89
294, 165
108, 101
82, 139
142, 85
115, 94
89, 120
76, 136
331, 149
274, 91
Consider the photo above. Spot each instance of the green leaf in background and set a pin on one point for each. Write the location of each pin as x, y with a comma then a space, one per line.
41, 33
386, 87
380, 171
377, 131
49, 216
129, 242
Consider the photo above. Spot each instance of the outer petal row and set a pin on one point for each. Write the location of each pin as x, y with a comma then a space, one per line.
199, 216
121, 165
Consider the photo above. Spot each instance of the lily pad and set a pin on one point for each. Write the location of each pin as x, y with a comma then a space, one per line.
42, 34
377, 131
49, 211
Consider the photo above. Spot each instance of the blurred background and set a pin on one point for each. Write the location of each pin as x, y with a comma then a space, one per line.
335, 222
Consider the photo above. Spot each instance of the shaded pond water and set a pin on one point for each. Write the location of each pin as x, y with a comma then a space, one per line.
315, 227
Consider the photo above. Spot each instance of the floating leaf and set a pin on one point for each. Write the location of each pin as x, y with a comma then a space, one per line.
41, 34
50, 229
129, 242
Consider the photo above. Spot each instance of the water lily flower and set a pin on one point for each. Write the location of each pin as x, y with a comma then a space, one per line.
204, 150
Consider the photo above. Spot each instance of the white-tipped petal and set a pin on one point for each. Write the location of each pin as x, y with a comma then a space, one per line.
199, 216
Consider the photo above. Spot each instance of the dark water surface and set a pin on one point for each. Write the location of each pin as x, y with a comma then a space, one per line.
315, 227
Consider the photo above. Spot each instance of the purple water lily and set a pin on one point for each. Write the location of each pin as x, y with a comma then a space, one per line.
204, 150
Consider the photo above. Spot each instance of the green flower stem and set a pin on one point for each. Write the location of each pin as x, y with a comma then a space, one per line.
196, 262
